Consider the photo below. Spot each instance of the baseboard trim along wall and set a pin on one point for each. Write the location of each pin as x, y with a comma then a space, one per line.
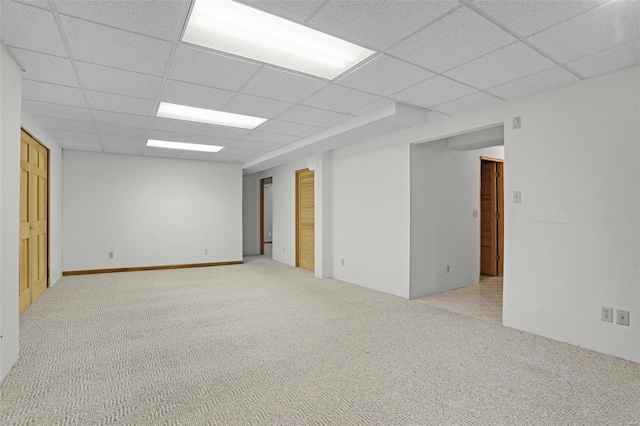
150, 268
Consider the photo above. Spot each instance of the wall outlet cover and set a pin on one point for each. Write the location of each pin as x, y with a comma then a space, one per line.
606, 314
622, 317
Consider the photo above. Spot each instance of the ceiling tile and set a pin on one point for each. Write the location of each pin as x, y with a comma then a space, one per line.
609, 60
210, 69
233, 154
61, 124
545, 80
122, 149
224, 132
47, 68
341, 99
178, 92
311, 132
378, 24
457, 38
172, 136
61, 135
56, 111
42, 4
130, 132
30, 28
283, 128
509, 63
252, 145
528, 17
195, 155
269, 138
384, 75
124, 142
468, 103
282, 85
210, 140
178, 126
607, 26
53, 93
152, 151
297, 10
257, 107
153, 18
308, 115
116, 48
119, 103
118, 119
433, 92
80, 145
121, 82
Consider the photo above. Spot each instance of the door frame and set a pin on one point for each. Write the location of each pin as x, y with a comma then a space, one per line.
500, 209
48, 207
263, 182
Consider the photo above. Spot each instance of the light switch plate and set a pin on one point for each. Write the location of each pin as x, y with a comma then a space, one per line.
516, 123
517, 197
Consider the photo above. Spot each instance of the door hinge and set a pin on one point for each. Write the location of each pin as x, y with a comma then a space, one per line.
497, 215
498, 257
497, 174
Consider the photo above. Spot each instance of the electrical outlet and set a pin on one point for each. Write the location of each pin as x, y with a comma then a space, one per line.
606, 314
448, 269
283, 249
517, 197
342, 262
206, 251
110, 255
623, 317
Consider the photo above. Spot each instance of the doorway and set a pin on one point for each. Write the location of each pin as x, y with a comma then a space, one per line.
34, 211
491, 216
305, 219
266, 216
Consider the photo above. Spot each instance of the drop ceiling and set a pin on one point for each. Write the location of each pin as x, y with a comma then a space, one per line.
96, 71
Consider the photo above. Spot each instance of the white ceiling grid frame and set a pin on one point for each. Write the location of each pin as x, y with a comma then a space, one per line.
472, 36
605, 61
501, 66
52, 93
283, 85
129, 83
534, 83
361, 22
578, 37
434, 91
46, 68
384, 75
123, 120
38, 34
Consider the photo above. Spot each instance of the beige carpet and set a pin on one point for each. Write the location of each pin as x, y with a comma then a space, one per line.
263, 343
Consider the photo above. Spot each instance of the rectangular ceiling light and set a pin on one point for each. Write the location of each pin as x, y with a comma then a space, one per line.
183, 146
209, 116
244, 31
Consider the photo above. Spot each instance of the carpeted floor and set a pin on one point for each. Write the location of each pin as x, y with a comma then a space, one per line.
263, 343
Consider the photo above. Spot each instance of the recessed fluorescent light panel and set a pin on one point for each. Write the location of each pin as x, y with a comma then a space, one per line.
183, 146
244, 31
209, 116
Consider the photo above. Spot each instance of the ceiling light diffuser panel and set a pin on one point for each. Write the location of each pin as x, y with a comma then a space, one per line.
208, 116
232, 27
183, 146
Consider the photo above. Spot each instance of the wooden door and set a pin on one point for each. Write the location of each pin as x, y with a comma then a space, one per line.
305, 220
34, 263
491, 217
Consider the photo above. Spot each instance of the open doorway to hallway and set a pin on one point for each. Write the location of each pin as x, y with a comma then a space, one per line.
266, 217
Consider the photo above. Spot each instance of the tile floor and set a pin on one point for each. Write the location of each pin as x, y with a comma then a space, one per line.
482, 300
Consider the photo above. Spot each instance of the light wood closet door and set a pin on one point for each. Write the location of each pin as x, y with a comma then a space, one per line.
305, 220
488, 221
33, 220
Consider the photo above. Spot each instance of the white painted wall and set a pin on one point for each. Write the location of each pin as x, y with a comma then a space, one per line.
572, 245
10, 101
55, 195
444, 194
371, 215
250, 215
149, 211
268, 212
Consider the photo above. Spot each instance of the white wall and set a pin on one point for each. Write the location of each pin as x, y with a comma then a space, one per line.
268, 212
55, 195
149, 211
572, 245
371, 215
444, 232
10, 101
250, 215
